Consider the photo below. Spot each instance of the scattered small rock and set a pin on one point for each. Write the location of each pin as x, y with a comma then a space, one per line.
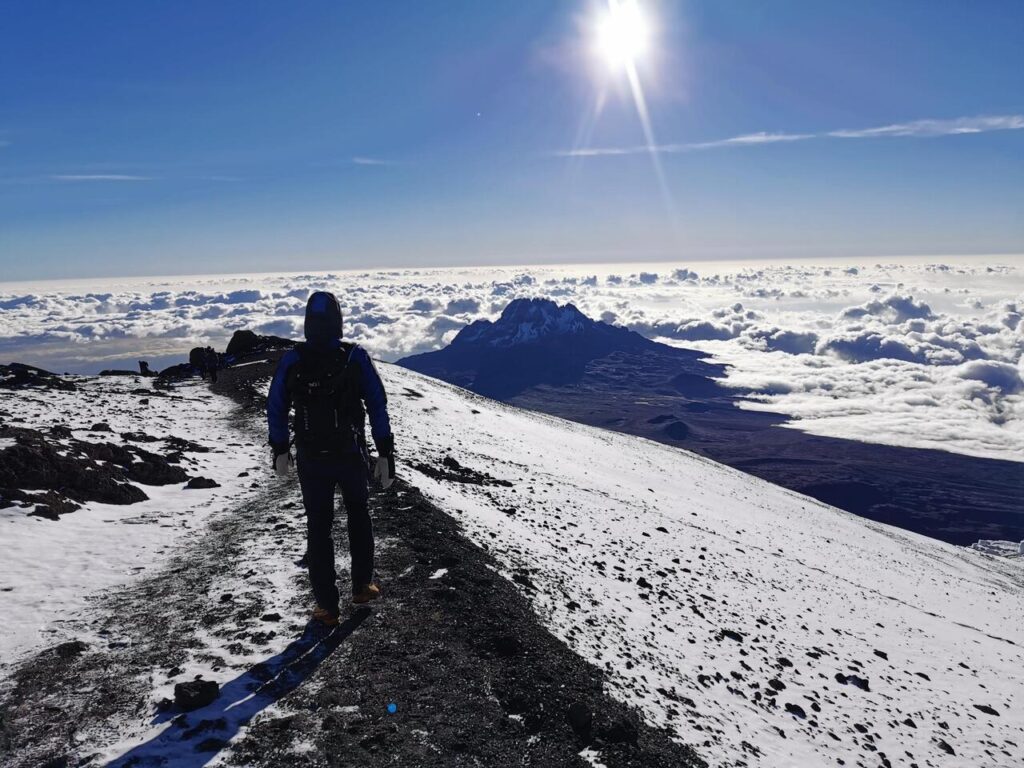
796, 710
855, 680
581, 720
621, 731
71, 649
505, 646
195, 694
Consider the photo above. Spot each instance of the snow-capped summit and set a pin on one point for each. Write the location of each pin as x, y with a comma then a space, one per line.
526, 320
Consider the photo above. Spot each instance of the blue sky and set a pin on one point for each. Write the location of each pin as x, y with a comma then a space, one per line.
169, 138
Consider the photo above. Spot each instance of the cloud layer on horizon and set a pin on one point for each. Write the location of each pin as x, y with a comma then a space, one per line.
922, 355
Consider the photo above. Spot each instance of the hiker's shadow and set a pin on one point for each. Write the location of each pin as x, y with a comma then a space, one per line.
194, 739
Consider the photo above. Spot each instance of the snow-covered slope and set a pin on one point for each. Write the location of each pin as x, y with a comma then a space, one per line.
52, 570
761, 626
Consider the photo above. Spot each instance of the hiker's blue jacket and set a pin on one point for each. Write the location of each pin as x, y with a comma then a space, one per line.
371, 392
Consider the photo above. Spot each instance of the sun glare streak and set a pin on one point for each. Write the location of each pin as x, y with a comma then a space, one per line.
586, 130
622, 36
649, 140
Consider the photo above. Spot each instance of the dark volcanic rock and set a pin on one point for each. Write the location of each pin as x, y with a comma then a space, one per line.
49, 504
855, 680
71, 649
155, 470
796, 710
581, 720
37, 465
195, 694
245, 342
452, 471
504, 646
621, 731
21, 376
174, 373
182, 445
201, 482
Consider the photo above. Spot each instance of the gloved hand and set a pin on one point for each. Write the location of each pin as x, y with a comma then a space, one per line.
384, 472
281, 459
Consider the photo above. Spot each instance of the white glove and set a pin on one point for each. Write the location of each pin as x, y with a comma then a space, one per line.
384, 472
282, 464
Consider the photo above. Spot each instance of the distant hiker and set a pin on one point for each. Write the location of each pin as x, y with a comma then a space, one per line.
197, 359
212, 363
328, 381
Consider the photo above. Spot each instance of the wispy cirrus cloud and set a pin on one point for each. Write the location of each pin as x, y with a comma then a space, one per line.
97, 177
915, 129
361, 160
957, 126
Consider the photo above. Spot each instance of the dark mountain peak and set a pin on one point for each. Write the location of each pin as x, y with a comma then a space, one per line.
535, 341
527, 320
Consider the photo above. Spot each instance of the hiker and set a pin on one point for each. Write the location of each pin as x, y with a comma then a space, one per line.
197, 359
211, 362
328, 381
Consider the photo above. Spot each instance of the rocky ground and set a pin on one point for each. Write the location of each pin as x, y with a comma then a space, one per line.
473, 676
52, 471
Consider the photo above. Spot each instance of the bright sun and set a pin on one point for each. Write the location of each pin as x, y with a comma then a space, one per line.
623, 34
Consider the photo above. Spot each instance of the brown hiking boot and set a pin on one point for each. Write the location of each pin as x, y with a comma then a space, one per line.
325, 617
365, 594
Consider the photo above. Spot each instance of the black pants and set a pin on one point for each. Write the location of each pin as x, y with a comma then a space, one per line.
319, 476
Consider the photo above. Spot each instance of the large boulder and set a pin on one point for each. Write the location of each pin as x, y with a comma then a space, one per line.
246, 342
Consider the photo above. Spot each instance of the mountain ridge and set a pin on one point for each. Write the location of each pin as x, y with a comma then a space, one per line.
533, 342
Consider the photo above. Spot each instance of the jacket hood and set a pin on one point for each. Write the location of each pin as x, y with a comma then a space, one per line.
323, 317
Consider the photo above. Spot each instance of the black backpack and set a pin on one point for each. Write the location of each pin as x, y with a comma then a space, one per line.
324, 389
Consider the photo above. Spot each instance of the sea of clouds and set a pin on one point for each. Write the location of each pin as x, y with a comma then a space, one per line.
917, 354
